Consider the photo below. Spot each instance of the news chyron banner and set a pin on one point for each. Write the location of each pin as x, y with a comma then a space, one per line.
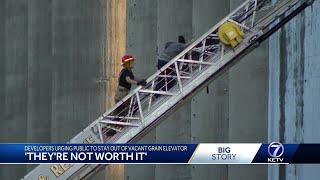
203, 153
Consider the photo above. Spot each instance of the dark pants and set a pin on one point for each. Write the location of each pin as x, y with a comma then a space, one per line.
165, 83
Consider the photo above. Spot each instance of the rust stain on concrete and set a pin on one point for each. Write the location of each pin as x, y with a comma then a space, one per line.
115, 37
115, 44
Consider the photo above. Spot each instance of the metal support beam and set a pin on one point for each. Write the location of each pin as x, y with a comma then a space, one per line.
119, 123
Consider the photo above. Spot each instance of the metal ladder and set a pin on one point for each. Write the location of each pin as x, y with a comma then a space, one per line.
180, 79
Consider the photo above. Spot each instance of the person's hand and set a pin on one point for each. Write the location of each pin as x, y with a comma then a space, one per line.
142, 82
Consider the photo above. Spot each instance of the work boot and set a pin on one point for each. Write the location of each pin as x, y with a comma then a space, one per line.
111, 132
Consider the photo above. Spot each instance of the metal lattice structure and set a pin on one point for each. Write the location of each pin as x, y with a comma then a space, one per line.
194, 68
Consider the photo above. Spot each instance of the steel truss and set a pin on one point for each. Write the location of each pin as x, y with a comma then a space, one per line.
181, 78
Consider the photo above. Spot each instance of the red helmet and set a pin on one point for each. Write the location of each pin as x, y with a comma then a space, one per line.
127, 58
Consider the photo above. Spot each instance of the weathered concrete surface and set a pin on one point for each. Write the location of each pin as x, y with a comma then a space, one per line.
77, 35
51, 56
206, 13
174, 19
210, 123
294, 89
175, 129
115, 48
39, 70
14, 80
202, 108
115, 39
141, 41
142, 35
209, 108
138, 171
248, 91
77, 50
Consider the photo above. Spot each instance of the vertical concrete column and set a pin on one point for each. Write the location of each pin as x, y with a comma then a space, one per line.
248, 89
311, 88
14, 62
309, 93
62, 80
274, 98
294, 89
39, 70
174, 19
209, 109
292, 67
76, 93
142, 35
141, 42
2, 61
115, 39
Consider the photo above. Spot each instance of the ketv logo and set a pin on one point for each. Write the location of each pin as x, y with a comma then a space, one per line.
275, 150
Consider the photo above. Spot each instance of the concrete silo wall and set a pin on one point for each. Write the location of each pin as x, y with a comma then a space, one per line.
219, 113
59, 64
294, 91
51, 56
